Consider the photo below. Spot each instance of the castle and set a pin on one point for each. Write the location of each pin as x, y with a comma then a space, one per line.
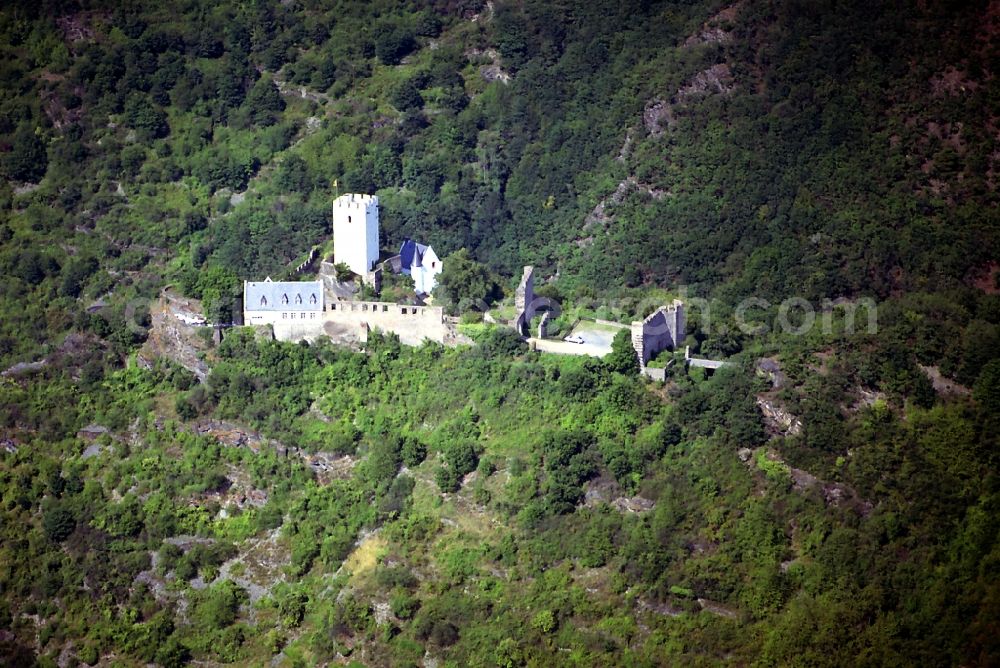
268, 302
297, 310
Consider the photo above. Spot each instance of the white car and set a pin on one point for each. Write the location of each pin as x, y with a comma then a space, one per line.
573, 338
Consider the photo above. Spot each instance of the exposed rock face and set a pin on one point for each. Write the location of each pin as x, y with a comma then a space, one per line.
943, 386
658, 116
770, 369
607, 491
600, 214
716, 79
709, 36
952, 82
834, 493
632, 504
491, 69
777, 419
171, 336
716, 29
718, 609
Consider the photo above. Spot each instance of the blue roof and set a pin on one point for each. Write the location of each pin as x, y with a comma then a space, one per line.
411, 254
283, 295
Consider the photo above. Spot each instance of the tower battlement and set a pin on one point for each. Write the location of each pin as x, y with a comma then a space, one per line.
355, 201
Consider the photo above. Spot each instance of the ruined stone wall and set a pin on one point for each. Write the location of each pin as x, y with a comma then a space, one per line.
661, 330
524, 299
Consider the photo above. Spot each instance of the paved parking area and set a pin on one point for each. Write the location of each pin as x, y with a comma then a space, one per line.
596, 337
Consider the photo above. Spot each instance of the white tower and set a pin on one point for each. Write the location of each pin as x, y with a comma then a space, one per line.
355, 232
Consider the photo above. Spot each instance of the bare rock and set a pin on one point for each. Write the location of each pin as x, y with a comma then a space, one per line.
717, 608
709, 36
942, 385
769, 368
777, 419
717, 79
658, 117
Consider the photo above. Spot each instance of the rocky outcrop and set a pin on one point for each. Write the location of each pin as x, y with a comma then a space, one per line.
777, 419
717, 79
600, 215
659, 116
716, 30
174, 336
490, 67
768, 367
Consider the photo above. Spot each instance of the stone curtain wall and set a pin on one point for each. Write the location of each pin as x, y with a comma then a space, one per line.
413, 324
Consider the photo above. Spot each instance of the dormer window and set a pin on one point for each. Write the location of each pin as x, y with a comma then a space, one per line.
312, 299
298, 299
263, 301
284, 299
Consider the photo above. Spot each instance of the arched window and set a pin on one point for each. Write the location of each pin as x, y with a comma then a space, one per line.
348, 219
284, 298
312, 299
298, 299
263, 301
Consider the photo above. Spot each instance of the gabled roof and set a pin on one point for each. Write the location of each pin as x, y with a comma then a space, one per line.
271, 295
411, 254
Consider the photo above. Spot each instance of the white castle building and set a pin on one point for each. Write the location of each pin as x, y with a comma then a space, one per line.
355, 232
420, 263
270, 302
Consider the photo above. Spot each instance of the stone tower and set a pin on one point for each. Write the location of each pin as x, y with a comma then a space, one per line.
663, 329
355, 232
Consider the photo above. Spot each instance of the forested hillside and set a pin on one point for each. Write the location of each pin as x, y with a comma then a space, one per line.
829, 498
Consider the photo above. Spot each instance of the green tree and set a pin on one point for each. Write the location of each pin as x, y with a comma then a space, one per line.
406, 96
987, 388
622, 358
264, 102
414, 452
216, 608
392, 43
465, 283
26, 160
58, 523
447, 479
144, 116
